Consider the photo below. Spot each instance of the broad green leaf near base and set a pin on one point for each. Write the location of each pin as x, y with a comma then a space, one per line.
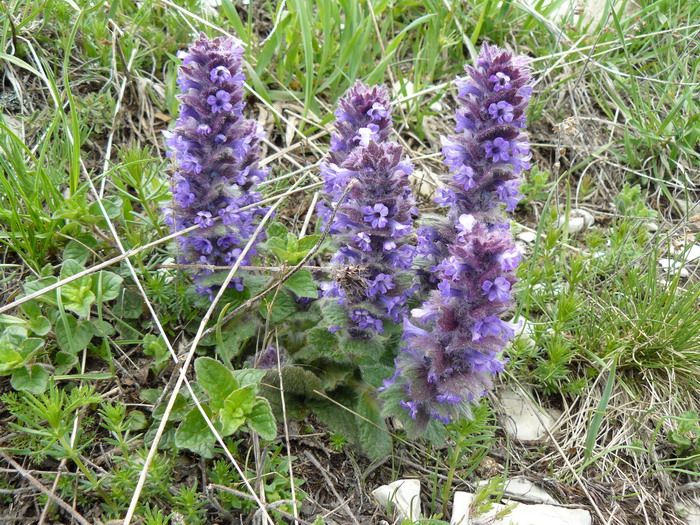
216, 380
262, 421
194, 431
34, 379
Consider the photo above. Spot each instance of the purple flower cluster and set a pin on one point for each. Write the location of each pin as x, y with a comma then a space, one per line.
452, 348
215, 154
374, 223
363, 116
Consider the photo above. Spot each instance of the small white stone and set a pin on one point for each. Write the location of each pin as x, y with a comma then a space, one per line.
404, 496
524, 331
523, 419
687, 254
669, 265
690, 510
651, 226
579, 220
528, 237
523, 488
436, 106
403, 90
522, 514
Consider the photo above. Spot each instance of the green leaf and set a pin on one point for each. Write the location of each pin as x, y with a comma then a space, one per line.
77, 296
322, 341
12, 320
112, 206
356, 348
282, 306
35, 286
109, 284
10, 358
374, 437
73, 335
276, 229
236, 408
335, 417
375, 373
136, 421
249, 376
33, 379
262, 421
234, 336
77, 251
64, 362
129, 305
216, 380
178, 413
296, 380
307, 243
40, 325
194, 431
302, 284
16, 349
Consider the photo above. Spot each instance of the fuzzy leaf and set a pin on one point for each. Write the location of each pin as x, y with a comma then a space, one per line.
353, 347
374, 437
375, 373
249, 376
261, 420
296, 380
322, 341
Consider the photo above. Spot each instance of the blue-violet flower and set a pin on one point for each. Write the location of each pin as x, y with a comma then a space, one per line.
453, 344
215, 154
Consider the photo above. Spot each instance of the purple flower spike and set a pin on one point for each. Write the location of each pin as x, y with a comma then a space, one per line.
214, 153
452, 346
374, 283
363, 116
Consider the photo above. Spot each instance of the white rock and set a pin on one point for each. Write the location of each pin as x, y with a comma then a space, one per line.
688, 254
579, 220
523, 488
687, 208
404, 496
15, 126
651, 226
436, 106
589, 11
404, 89
524, 331
669, 265
690, 510
523, 419
528, 237
522, 514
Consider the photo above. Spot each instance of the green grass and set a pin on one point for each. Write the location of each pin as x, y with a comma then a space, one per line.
606, 329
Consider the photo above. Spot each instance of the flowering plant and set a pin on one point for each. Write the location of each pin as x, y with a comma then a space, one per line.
215, 154
452, 347
373, 224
